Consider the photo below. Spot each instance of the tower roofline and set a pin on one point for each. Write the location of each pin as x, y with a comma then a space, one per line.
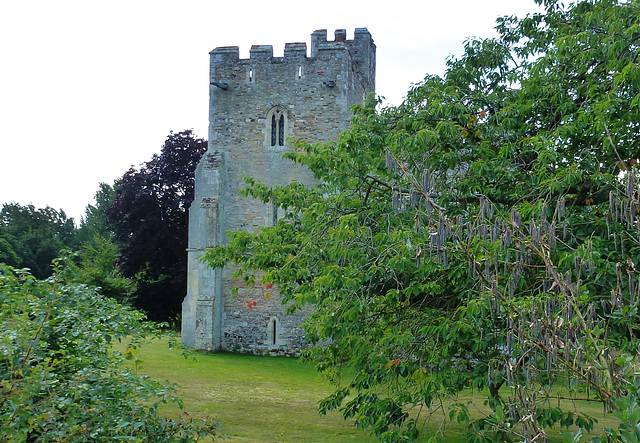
296, 49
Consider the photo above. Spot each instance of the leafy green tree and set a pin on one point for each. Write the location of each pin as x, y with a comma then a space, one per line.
60, 380
95, 220
149, 220
32, 238
482, 235
95, 263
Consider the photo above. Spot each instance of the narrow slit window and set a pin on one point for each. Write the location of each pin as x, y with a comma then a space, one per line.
250, 74
274, 332
274, 210
299, 72
281, 130
274, 130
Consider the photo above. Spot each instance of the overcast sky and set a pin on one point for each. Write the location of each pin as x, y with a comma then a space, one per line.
89, 88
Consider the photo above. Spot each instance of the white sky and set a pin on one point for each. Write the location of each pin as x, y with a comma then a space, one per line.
89, 88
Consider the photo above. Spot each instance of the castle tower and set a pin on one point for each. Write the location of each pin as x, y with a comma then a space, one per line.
255, 106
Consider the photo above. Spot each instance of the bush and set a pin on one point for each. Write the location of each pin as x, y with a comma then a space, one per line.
59, 378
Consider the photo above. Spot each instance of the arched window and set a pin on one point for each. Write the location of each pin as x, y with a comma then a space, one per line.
277, 127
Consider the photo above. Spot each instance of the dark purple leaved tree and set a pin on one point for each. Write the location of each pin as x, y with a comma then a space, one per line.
149, 218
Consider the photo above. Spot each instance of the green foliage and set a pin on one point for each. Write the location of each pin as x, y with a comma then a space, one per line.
95, 263
483, 235
32, 238
95, 220
59, 379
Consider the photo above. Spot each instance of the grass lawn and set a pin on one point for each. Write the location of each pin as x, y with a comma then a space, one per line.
272, 399
256, 399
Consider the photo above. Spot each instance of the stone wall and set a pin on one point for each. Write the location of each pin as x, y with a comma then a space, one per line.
256, 106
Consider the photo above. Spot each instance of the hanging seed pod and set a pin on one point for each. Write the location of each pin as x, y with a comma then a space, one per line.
577, 266
510, 337
413, 197
611, 202
427, 185
512, 411
395, 201
388, 162
561, 207
579, 357
630, 185
418, 219
516, 219
434, 240
442, 229
591, 312
489, 210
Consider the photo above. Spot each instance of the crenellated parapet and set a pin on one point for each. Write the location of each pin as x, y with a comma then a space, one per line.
359, 52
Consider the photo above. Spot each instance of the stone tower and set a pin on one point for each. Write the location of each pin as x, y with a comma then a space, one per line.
255, 106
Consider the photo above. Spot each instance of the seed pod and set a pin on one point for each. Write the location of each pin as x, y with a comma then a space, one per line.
630, 185
427, 185
561, 207
418, 219
388, 163
611, 202
516, 219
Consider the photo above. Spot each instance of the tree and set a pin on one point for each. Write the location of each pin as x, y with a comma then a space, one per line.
59, 376
32, 238
95, 263
95, 220
482, 235
149, 219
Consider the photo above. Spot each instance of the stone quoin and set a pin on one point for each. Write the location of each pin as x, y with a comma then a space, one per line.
256, 106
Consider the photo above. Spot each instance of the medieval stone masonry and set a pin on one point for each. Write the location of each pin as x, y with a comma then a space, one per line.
255, 106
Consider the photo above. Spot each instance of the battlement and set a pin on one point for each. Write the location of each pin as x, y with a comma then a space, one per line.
362, 38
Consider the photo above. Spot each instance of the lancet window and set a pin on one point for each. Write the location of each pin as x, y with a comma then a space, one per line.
277, 128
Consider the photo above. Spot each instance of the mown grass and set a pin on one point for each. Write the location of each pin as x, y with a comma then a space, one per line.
256, 399
273, 399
